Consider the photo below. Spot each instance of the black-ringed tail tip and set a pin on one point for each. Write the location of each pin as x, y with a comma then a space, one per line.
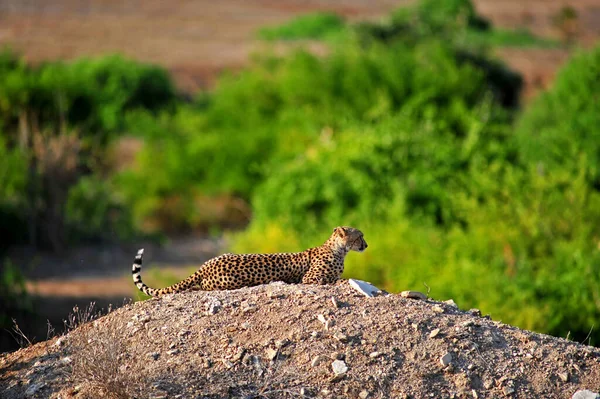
137, 267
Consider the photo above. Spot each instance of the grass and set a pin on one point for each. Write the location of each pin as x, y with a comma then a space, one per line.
509, 38
308, 26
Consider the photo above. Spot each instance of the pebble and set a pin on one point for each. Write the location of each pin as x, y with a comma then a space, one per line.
328, 324
451, 303
272, 353
434, 333
488, 384
368, 290
335, 302
341, 337
438, 309
413, 295
585, 394
154, 355
322, 319
339, 367
475, 312
363, 394
227, 363
564, 377
305, 392
373, 355
318, 360
33, 389
173, 351
213, 306
508, 390
446, 359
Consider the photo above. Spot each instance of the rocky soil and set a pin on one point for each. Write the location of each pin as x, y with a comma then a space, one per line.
279, 341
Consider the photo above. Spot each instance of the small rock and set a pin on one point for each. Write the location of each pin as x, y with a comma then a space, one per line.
438, 309
363, 394
60, 342
585, 394
159, 395
239, 355
475, 312
154, 355
488, 384
413, 295
328, 324
373, 355
341, 337
474, 393
368, 290
173, 352
305, 392
564, 377
451, 303
318, 360
335, 302
213, 306
508, 390
245, 325
434, 333
272, 353
446, 359
66, 360
227, 363
339, 367
183, 333
33, 389
321, 318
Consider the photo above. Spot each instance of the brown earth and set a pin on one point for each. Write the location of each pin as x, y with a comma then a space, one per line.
197, 39
271, 341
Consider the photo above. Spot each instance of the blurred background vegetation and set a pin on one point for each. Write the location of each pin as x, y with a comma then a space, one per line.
409, 129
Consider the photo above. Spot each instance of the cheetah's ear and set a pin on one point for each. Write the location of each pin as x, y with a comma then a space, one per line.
340, 231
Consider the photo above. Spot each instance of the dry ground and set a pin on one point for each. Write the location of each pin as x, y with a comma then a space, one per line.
196, 39
271, 341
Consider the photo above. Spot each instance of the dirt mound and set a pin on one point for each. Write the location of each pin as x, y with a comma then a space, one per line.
281, 340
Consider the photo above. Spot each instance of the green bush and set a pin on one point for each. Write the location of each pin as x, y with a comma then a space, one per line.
563, 123
318, 25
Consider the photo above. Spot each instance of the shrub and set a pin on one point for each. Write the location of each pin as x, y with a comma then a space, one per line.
318, 25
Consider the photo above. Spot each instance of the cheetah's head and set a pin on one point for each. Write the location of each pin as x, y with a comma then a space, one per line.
350, 238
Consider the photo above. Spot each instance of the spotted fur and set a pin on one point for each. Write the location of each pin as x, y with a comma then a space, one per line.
320, 265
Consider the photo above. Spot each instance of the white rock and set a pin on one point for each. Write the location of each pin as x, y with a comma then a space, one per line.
339, 367
585, 394
434, 333
364, 288
451, 303
446, 359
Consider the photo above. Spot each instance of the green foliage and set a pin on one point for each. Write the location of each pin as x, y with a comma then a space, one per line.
94, 210
562, 123
92, 95
14, 300
320, 25
506, 38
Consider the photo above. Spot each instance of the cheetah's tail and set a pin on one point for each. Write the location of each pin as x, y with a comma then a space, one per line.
137, 277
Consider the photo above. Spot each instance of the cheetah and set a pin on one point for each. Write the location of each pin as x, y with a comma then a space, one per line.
319, 265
